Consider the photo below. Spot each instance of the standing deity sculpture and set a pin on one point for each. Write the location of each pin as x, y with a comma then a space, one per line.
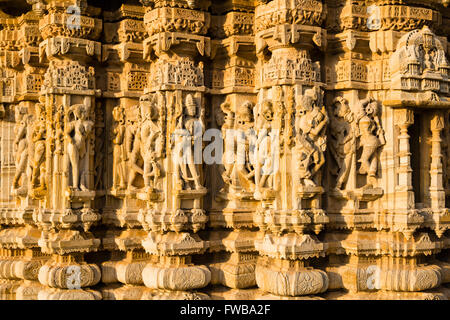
119, 152
21, 145
371, 138
225, 120
246, 143
38, 140
151, 141
311, 141
78, 131
264, 156
189, 129
342, 139
133, 149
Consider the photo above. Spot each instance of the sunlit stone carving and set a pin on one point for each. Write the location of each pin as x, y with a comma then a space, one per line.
224, 149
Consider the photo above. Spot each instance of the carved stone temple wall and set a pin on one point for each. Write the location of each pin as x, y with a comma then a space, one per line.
224, 149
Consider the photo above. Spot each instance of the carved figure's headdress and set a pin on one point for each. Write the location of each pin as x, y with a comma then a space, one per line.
267, 108
190, 101
245, 112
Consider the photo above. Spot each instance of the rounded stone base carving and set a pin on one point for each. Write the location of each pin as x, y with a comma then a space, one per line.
293, 283
59, 294
20, 269
173, 295
176, 278
117, 291
418, 279
7, 267
28, 270
236, 276
29, 290
73, 276
123, 271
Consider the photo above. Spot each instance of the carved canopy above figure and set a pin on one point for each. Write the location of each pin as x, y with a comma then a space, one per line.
419, 69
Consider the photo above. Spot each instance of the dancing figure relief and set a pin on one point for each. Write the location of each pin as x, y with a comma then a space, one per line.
371, 137
38, 137
21, 146
311, 141
342, 140
133, 150
151, 141
266, 153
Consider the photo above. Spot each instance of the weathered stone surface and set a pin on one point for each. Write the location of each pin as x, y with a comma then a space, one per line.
209, 149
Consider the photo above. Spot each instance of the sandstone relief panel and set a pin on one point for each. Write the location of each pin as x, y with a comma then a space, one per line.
208, 149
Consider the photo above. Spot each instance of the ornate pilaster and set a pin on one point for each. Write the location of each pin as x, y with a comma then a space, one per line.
292, 118
63, 152
231, 202
224, 149
377, 92
404, 118
173, 123
124, 80
437, 193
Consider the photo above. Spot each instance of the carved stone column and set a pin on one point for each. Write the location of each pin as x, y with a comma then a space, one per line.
22, 77
437, 192
64, 150
332, 115
404, 192
289, 93
374, 92
124, 80
231, 202
173, 185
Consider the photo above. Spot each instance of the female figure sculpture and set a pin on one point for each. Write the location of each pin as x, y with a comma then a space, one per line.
78, 131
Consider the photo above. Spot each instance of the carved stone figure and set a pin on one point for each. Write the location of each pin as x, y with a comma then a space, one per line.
264, 168
133, 145
245, 147
189, 128
78, 131
342, 142
310, 126
225, 119
38, 137
371, 138
107, 94
21, 144
151, 141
